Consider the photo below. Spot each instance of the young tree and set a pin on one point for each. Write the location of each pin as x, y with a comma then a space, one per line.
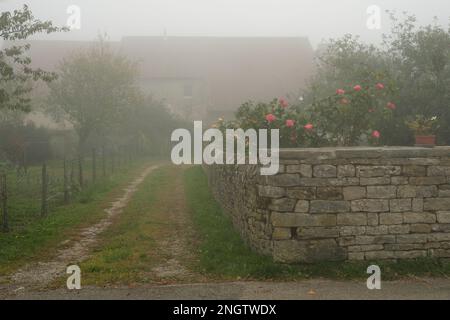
93, 91
16, 75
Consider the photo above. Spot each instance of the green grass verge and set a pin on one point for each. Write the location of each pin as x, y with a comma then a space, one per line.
39, 237
223, 253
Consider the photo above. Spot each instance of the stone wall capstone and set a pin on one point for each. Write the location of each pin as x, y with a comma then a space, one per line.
337, 204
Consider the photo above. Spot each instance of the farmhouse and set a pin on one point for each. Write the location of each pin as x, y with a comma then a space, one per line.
204, 78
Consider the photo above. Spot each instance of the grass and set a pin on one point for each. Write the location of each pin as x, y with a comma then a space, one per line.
36, 238
224, 254
127, 251
24, 189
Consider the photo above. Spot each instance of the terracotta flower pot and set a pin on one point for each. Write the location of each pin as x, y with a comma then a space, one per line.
426, 141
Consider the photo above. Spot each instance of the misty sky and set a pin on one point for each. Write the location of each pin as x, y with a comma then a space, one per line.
315, 19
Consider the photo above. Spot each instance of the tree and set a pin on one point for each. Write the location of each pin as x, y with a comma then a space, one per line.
414, 66
16, 75
93, 92
421, 63
148, 126
352, 116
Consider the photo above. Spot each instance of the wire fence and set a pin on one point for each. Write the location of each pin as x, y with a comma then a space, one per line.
28, 193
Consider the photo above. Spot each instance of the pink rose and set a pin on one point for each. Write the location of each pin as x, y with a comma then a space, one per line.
290, 123
357, 88
380, 86
309, 127
270, 118
283, 103
340, 91
345, 101
391, 106
376, 134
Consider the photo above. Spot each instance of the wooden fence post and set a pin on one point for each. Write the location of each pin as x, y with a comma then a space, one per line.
80, 171
72, 172
119, 158
44, 198
103, 162
113, 164
94, 165
4, 202
66, 182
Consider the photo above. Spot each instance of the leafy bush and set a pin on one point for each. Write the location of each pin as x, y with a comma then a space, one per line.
23, 144
346, 118
295, 127
352, 116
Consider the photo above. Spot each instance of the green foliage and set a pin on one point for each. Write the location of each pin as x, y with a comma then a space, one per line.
343, 62
281, 116
414, 66
348, 117
353, 117
16, 75
421, 62
22, 143
149, 123
94, 90
423, 126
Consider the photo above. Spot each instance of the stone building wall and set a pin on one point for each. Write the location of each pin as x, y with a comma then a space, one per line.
342, 204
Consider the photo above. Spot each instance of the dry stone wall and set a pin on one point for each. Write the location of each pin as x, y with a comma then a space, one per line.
342, 204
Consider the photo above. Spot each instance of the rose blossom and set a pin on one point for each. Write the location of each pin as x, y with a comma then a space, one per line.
290, 123
357, 88
340, 91
270, 118
309, 127
380, 86
283, 103
391, 106
376, 134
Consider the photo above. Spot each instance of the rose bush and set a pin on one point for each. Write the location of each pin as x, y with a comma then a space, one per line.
349, 117
295, 127
354, 116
